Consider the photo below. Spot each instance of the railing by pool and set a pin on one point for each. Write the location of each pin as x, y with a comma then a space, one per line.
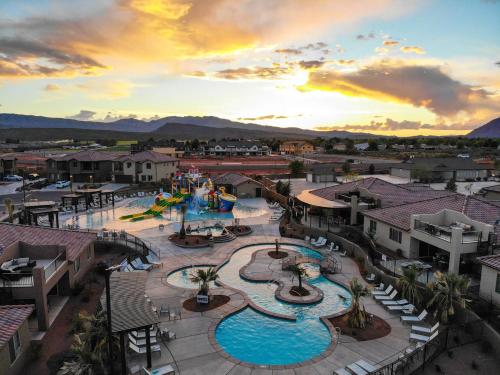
53, 266
129, 240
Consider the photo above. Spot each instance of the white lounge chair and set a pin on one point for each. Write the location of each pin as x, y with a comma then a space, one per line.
371, 278
383, 292
141, 342
367, 366
142, 333
333, 247
413, 318
409, 308
153, 262
321, 242
390, 296
422, 338
380, 287
343, 253
398, 302
143, 350
139, 265
425, 329
163, 370
341, 371
356, 369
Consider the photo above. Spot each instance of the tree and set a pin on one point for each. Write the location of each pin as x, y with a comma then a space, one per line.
372, 145
357, 315
371, 169
182, 232
10, 207
279, 186
296, 167
421, 174
349, 145
408, 285
204, 278
299, 271
451, 185
346, 167
447, 290
195, 144
286, 189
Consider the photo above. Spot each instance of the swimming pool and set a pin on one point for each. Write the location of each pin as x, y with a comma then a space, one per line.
262, 339
245, 208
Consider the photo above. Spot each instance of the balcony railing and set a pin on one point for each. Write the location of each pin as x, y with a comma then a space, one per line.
53, 266
16, 280
445, 232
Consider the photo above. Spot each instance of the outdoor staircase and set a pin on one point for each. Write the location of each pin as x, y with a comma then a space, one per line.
226, 237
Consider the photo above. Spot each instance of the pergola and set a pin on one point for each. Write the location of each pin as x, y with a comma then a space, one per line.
130, 309
88, 197
32, 210
326, 208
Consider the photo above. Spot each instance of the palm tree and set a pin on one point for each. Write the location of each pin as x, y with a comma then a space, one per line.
357, 315
448, 289
182, 232
408, 285
203, 278
9, 206
299, 271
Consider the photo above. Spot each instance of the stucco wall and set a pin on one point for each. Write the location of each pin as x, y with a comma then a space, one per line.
382, 237
488, 283
15, 368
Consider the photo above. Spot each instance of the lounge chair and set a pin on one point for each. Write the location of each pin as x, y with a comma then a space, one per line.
321, 242
139, 265
380, 287
153, 262
413, 318
356, 369
341, 371
130, 268
390, 296
164, 310
141, 342
367, 366
162, 370
408, 308
371, 278
398, 302
425, 329
333, 247
422, 338
143, 350
142, 333
383, 292
307, 238
343, 253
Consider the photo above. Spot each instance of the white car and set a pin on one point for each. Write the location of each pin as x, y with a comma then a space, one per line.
62, 184
13, 177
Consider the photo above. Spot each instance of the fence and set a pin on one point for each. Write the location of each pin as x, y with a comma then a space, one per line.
129, 241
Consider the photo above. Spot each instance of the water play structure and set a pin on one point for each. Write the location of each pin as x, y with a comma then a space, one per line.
186, 189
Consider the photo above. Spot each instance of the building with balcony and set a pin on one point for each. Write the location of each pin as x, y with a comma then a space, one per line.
40, 266
8, 165
236, 148
296, 147
15, 338
145, 166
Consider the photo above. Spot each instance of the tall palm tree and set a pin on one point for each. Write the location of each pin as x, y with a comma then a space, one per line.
357, 315
203, 278
182, 232
448, 289
299, 271
9, 206
408, 285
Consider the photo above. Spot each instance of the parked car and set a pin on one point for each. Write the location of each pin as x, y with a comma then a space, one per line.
13, 177
62, 184
33, 176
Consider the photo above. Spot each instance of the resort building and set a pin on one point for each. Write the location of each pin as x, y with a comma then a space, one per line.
146, 166
41, 265
296, 147
322, 172
443, 169
15, 338
239, 185
84, 166
170, 151
489, 289
236, 148
7, 165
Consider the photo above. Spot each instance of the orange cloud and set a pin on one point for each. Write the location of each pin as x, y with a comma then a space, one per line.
390, 43
413, 49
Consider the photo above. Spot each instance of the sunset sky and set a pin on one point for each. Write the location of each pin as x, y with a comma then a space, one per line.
400, 67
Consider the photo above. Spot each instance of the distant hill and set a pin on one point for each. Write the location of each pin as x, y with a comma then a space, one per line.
172, 127
489, 130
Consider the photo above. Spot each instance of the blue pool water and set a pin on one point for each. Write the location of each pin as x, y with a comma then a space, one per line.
258, 338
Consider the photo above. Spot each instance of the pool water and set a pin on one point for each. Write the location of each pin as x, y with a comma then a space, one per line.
181, 278
111, 218
258, 338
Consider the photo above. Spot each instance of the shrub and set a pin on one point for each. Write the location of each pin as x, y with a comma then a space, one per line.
55, 362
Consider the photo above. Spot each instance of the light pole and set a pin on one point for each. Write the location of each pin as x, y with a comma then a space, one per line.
107, 274
71, 182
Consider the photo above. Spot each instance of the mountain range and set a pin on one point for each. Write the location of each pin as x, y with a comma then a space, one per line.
489, 130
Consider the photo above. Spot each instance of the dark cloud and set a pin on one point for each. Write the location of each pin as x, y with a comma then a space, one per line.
345, 62
315, 46
421, 86
266, 117
311, 64
393, 125
276, 71
83, 115
497, 63
365, 36
289, 51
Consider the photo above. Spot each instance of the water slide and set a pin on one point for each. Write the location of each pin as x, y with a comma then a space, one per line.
162, 202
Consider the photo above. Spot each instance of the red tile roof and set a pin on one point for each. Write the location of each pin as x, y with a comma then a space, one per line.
155, 157
492, 261
11, 318
87, 155
74, 241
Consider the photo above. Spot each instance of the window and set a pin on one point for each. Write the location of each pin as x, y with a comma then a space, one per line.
129, 164
395, 235
89, 253
75, 164
143, 177
14, 346
150, 178
497, 286
148, 165
77, 265
373, 226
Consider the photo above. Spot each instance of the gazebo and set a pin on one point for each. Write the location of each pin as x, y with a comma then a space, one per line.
31, 211
88, 195
321, 212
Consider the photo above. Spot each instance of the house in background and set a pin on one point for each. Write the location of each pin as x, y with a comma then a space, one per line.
443, 169
7, 165
296, 147
489, 289
173, 152
145, 166
322, 172
235, 148
239, 185
15, 338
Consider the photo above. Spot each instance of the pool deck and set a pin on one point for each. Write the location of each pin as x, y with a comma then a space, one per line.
194, 352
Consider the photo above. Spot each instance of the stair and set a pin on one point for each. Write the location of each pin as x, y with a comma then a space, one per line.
227, 237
